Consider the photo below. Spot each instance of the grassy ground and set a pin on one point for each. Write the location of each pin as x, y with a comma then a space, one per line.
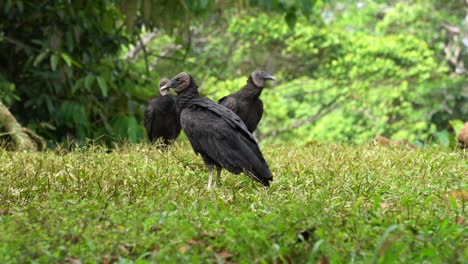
332, 203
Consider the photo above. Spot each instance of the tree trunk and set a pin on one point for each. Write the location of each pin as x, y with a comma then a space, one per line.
22, 138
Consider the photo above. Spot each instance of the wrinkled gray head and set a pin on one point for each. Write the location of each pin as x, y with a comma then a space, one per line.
180, 83
163, 82
259, 77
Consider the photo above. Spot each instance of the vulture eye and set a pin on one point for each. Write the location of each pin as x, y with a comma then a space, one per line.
178, 79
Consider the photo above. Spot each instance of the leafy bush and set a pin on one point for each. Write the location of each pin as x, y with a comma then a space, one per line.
378, 84
63, 59
347, 71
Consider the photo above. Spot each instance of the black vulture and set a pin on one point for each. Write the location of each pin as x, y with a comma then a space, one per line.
246, 102
162, 117
217, 133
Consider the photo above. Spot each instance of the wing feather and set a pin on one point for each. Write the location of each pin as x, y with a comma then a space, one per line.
217, 132
230, 102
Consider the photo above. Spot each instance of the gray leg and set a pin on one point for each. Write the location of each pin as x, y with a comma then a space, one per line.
210, 180
218, 175
211, 165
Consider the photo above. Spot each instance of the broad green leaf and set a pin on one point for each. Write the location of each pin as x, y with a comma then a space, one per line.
53, 62
66, 58
457, 125
88, 81
40, 57
69, 60
443, 137
103, 86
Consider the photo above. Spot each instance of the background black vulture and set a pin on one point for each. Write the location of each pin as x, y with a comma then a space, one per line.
162, 117
246, 102
217, 133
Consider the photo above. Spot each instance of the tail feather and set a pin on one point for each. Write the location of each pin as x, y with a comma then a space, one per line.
264, 181
259, 169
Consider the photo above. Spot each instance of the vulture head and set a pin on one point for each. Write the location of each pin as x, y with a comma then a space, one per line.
180, 83
259, 77
163, 82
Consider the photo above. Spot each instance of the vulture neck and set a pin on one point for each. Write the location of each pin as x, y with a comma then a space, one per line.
184, 98
251, 90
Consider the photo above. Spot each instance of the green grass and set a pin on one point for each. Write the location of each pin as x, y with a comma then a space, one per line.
361, 204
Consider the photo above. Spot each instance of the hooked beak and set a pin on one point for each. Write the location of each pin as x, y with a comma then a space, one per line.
164, 90
270, 77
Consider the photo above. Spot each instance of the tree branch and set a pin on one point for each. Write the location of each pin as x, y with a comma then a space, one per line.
133, 53
20, 137
20, 45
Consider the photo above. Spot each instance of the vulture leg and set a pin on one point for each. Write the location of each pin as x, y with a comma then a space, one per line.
211, 165
218, 175
210, 180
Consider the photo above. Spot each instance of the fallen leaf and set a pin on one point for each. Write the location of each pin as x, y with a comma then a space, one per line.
458, 195
123, 250
323, 260
385, 142
75, 239
192, 242
460, 220
183, 249
126, 248
386, 205
156, 228
224, 255
72, 260
110, 260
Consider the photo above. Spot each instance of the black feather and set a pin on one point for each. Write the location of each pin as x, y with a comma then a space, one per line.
246, 103
220, 136
162, 119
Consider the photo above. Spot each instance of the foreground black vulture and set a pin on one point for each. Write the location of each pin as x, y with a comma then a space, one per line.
217, 133
162, 117
246, 102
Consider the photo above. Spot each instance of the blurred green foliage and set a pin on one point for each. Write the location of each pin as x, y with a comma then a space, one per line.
347, 71
376, 79
62, 58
